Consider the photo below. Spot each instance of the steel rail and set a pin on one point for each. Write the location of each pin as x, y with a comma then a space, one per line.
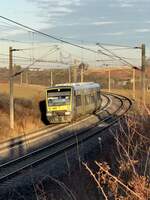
36, 151
23, 138
107, 101
38, 133
61, 146
19, 159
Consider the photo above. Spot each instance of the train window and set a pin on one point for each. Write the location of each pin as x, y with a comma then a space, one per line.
95, 97
78, 100
58, 100
87, 99
98, 95
59, 92
92, 98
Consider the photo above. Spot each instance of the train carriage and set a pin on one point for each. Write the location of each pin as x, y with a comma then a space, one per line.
66, 102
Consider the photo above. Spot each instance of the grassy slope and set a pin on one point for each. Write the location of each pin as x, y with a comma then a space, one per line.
27, 112
25, 91
31, 114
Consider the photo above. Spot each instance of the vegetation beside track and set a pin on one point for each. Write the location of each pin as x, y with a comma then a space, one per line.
27, 116
119, 170
128, 161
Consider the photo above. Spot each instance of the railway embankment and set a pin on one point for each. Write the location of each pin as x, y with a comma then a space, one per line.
63, 152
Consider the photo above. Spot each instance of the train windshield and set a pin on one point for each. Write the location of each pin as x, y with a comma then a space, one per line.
59, 97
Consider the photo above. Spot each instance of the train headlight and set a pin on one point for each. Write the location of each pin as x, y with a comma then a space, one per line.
67, 113
49, 114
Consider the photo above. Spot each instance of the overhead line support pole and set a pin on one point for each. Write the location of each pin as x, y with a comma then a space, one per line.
11, 88
11, 97
21, 79
75, 73
133, 83
27, 77
143, 73
51, 80
109, 81
69, 72
82, 73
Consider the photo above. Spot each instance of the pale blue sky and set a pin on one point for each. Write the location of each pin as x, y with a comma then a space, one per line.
106, 21
119, 21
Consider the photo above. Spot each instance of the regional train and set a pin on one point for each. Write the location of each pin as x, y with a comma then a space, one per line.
66, 102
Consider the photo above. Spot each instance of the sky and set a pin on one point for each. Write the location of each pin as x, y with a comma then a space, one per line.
122, 22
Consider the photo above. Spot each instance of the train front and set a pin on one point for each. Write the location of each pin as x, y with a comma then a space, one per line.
59, 104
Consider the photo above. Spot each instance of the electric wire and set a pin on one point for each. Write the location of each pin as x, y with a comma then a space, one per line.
52, 37
35, 61
111, 54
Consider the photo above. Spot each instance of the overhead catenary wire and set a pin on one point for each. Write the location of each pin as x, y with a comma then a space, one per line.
111, 54
24, 59
75, 56
35, 61
123, 46
4, 23
10, 40
47, 35
117, 45
53, 37
6, 55
24, 42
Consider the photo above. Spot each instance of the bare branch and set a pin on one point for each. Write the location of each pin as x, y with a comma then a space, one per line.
117, 180
95, 179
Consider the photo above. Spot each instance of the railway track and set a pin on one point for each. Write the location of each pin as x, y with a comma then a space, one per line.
30, 141
113, 109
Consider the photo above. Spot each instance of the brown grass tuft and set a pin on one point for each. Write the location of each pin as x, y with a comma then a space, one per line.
27, 116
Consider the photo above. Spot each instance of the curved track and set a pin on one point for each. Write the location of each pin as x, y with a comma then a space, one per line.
31, 139
114, 107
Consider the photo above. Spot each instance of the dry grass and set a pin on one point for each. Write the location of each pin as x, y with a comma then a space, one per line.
27, 116
23, 91
27, 112
129, 93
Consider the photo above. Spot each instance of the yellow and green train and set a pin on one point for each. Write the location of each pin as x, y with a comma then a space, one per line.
66, 102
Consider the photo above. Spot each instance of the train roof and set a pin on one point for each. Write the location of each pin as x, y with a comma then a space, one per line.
80, 85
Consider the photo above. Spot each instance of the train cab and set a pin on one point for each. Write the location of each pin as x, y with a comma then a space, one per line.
66, 102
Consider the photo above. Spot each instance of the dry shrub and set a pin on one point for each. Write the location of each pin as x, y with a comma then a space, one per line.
4, 125
4, 103
130, 179
27, 116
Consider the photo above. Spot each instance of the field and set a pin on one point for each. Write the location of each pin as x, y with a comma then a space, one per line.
24, 90
27, 109
129, 93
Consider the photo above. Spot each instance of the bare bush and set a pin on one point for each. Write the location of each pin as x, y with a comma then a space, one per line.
131, 179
